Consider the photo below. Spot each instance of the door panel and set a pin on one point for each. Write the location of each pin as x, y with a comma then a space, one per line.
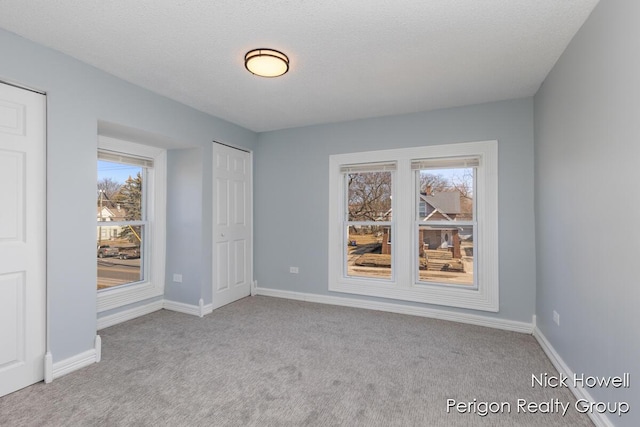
222, 262
239, 200
22, 238
12, 319
232, 225
12, 196
240, 256
222, 202
12, 116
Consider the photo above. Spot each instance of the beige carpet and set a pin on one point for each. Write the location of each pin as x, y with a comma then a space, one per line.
270, 362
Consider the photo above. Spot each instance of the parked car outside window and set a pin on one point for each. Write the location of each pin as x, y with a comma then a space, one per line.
107, 251
126, 253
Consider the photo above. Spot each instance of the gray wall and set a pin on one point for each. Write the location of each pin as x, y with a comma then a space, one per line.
184, 213
292, 190
587, 124
189, 229
78, 96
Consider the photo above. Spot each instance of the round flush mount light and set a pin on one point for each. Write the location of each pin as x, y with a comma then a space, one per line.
266, 62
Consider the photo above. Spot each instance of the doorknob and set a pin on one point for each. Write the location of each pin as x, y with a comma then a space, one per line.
221, 234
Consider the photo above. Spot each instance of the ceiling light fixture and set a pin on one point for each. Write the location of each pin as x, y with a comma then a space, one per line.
266, 62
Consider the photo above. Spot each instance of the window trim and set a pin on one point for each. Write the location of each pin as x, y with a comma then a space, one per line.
404, 285
153, 286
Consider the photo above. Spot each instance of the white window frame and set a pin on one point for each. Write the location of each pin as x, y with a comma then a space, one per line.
435, 165
386, 167
153, 285
404, 284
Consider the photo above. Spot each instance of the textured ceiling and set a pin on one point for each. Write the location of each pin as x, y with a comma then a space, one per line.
350, 59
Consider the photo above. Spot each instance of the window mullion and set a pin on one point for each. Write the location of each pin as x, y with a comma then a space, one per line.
403, 207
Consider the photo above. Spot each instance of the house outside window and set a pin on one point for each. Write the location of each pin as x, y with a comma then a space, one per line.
446, 220
437, 241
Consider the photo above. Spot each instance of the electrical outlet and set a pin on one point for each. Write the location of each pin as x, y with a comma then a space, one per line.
177, 278
556, 317
293, 270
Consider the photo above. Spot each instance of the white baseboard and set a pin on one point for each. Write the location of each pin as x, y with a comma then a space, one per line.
201, 310
73, 363
129, 314
580, 393
48, 367
490, 322
98, 346
122, 316
195, 310
205, 309
181, 307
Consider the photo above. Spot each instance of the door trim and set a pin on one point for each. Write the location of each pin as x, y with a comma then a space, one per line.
234, 147
30, 89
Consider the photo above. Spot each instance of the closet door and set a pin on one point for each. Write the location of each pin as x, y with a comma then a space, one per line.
232, 231
22, 238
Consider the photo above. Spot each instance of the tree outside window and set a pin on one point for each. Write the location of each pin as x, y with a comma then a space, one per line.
121, 223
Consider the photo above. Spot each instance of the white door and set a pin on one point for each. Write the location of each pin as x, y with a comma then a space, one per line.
22, 238
232, 239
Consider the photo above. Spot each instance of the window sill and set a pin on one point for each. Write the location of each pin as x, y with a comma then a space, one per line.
473, 299
124, 295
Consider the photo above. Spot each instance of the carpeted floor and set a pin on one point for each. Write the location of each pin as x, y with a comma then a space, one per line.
270, 362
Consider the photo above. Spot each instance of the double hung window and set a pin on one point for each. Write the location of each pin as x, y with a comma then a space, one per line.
130, 232
416, 224
446, 221
122, 218
368, 216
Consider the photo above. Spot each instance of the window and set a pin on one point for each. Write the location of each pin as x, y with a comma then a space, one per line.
368, 220
422, 208
416, 224
122, 218
130, 222
446, 221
